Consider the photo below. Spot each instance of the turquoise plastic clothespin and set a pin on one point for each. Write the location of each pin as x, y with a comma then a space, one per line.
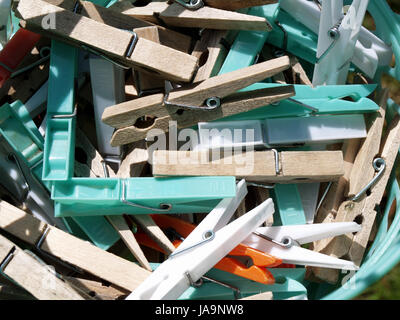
290, 35
288, 284
388, 29
61, 119
313, 101
21, 133
246, 46
112, 196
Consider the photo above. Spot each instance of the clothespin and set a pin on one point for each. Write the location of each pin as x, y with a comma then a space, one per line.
61, 114
267, 166
217, 104
107, 82
308, 101
14, 52
387, 23
211, 240
182, 229
22, 154
284, 243
26, 270
217, 285
70, 249
111, 196
26, 144
362, 206
177, 15
268, 133
212, 45
337, 38
97, 289
122, 46
370, 52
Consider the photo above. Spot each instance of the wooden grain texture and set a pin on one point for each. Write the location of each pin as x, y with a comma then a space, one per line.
75, 251
389, 153
298, 72
210, 48
119, 223
312, 165
364, 210
127, 114
96, 289
206, 17
237, 4
118, 20
260, 296
360, 170
76, 27
153, 231
133, 164
295, 166
336, 194
228, 83
168, 63
128, 118
38, 279
80, 30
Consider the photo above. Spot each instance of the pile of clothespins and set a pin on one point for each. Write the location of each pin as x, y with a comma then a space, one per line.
192, 149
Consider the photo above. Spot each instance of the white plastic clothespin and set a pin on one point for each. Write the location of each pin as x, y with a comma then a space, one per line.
272, 132
284, 243
369, 52
203, 248
337, 39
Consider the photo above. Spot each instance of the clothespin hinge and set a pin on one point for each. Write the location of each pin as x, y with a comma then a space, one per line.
190, 4
210, 104
7, 259
379, 165
164, 207
207, 236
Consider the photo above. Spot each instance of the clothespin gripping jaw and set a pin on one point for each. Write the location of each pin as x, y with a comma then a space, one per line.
284, 243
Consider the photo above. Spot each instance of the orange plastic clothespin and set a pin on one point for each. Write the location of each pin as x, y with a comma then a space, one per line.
257, 272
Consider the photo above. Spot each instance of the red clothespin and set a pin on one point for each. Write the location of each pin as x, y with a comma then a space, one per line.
257, 272
15, 51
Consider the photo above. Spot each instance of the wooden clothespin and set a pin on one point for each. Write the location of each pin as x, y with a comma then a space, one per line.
121, 46
210, 46
209, 100
204, 17
70, 249
263, 166
31, 274
372, 167
96, 289
146, 83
